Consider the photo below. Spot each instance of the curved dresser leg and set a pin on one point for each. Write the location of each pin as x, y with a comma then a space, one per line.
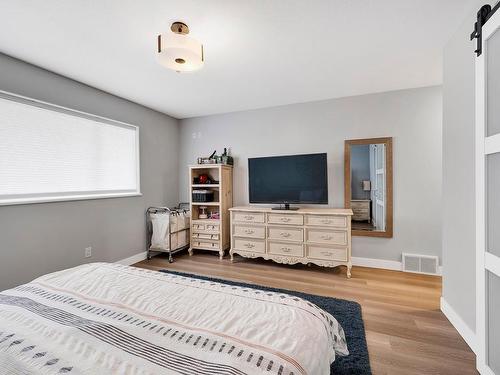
349, 266
190, 251
221, 254
231, 254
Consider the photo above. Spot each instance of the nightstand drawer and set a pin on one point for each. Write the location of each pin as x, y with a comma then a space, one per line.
285, 219
333, 237
249, 231
283, 248
327, 253
249, 217
256, 246
327, 221
288, 234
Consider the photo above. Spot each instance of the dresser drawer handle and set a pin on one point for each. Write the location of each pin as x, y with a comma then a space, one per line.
285, 219
249, 217
326, 221
327, 253
286, 249
249, 231
249, 245
285, 234
326, 237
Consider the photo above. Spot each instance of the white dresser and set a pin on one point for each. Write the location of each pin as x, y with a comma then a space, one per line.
309, 235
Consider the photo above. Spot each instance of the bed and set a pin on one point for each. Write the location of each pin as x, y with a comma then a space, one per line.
103, 318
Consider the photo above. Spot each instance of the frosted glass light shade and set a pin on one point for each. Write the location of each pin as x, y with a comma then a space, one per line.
180, 52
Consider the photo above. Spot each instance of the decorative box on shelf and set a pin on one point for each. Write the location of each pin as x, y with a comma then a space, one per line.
202, 195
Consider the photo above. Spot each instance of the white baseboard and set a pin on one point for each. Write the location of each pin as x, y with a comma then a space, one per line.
383, 264
456, 321
133, 259
377, 263
356, 261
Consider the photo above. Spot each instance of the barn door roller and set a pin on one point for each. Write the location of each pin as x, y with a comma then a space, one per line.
483, 15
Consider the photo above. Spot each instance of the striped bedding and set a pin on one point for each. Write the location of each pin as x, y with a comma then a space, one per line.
105, 318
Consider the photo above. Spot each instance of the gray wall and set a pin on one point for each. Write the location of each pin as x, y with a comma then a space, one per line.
459, 276
412, 117
360, 170
40, 238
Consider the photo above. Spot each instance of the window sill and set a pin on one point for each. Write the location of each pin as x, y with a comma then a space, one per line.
63, 198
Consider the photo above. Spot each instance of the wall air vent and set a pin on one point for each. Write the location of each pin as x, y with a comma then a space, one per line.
417, 263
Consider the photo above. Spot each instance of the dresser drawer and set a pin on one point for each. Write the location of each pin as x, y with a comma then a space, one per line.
198, 226
357, 217
288, 234
249, 217
249, 231
205, 236
205, 227
284, 248
365, 204
327, 253
205, 244
333, 237
285, 219
212, 227
256, 246
327, 221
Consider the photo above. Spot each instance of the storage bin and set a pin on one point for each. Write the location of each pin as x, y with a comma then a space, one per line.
203, 196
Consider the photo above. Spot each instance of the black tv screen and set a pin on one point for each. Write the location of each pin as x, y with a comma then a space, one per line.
288, 179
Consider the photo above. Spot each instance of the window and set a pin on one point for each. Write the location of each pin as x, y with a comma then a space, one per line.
50, 153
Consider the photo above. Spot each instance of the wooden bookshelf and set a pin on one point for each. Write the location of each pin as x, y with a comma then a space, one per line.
211, 234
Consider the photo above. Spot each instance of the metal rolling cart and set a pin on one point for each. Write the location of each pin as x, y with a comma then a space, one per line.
173, 231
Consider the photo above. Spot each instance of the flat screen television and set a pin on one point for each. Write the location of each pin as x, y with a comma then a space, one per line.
288, 179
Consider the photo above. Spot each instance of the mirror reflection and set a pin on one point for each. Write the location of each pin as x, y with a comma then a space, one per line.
369, 185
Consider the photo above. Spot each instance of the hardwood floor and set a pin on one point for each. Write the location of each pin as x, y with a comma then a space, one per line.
405, 329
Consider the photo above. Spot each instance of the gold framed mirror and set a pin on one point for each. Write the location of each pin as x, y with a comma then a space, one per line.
368, 185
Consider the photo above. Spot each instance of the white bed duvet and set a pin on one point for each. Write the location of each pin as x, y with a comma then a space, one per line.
110, 319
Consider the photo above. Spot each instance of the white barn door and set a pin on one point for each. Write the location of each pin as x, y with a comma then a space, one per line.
488, 199
378, 193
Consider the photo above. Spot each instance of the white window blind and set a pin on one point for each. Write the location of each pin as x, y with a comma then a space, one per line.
50, 153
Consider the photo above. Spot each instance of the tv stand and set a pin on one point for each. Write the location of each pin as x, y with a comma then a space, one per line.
285, 207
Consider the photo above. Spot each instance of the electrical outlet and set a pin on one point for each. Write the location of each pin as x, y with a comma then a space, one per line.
88, 252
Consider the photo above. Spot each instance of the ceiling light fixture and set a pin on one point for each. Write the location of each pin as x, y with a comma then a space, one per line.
178, 51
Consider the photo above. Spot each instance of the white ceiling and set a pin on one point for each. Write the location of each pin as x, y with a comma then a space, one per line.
259, 53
